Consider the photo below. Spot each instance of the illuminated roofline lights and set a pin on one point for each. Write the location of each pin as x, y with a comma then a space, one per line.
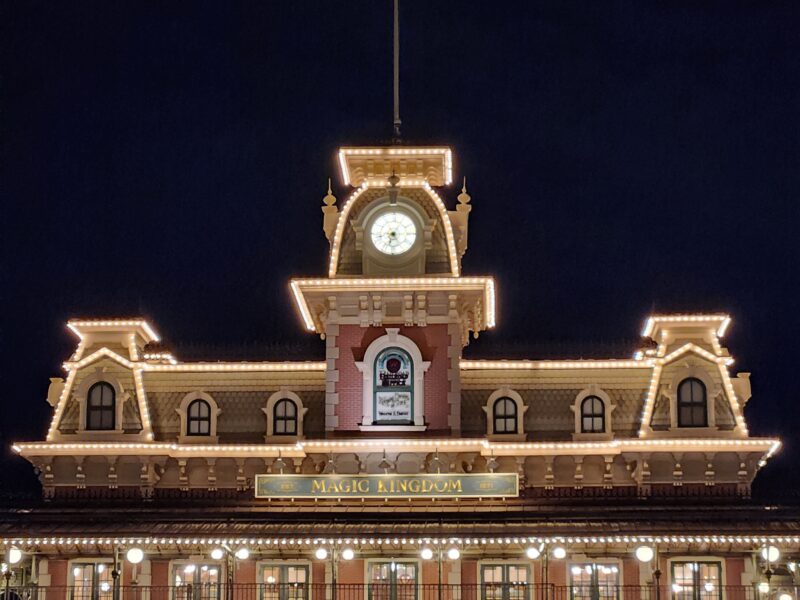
722, 363
348, 205
768, 445
445, 152
469, 364
722, 320
397, 283
751, 541
76, 325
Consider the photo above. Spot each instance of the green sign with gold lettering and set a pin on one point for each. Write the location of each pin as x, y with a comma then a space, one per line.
425, 485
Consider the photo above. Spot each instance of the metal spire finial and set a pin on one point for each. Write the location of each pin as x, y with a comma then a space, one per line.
397, 70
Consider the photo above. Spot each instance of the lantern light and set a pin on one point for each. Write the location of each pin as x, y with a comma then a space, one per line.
321, 553
785, 596
770, 553
426, 553
559, 552
532, 553
14, 555
763, 587
217, 553
348, 554
242, 553
644, 554
135, 555
453, 553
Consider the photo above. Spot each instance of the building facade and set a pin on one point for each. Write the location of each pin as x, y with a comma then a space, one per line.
396, 469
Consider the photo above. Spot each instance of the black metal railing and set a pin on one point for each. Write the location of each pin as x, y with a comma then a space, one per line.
398, 591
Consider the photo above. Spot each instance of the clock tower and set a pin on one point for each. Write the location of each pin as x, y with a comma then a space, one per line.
394, 309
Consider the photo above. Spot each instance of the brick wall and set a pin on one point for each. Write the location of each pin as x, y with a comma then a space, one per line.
353, 342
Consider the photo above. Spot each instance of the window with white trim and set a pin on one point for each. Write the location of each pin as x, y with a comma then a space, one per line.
696, 580
198, 418
594, 581
504, 415
197, 581
101, 407
505, 581
593, 415
393, 580
91, 581
284, 581
692, 403
284, 417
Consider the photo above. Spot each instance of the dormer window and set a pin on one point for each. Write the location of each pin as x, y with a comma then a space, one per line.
199, 414
692, 403
593, 415
505, 411
101, 407
284, 417
198, 418
394, 388
504, 415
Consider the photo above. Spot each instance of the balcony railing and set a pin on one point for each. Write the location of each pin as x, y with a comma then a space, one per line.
399, 591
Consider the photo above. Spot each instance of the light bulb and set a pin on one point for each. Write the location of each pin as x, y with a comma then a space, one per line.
644, 554
453, 553
426, 554
785, 596
348, 554
321, 553
242, 553
135, 555
217, 553
559, 552
763, 587
532, 553
104, 587
100, 568
76, 572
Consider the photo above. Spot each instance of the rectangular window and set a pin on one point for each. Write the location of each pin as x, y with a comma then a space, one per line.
197, 581
284, 582
92, 581
594, 581
392, 581
505, 582
696, 580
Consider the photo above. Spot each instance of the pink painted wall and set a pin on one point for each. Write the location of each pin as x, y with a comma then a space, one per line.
353, 341
734, 567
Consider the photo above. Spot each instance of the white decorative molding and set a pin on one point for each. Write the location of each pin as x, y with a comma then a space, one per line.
392, 339
183, 411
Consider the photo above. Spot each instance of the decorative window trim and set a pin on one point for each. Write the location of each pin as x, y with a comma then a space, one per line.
723, 576
261, 565
82, 397
269, 411
183, 411
177, 563
89, 560
608, 405
420, 367
693, 371
488, 408
495, 562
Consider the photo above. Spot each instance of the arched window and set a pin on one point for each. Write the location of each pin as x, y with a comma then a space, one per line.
101, 407
393, 388
692, 403
198, 418
593, 415
284, 417
504, 415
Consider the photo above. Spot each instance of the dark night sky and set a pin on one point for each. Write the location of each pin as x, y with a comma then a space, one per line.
169, 159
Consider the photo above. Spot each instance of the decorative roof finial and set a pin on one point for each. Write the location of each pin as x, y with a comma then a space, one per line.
397, 122
329, 199
464, 197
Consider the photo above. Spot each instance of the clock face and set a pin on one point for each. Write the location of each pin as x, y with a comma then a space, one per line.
393, 233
